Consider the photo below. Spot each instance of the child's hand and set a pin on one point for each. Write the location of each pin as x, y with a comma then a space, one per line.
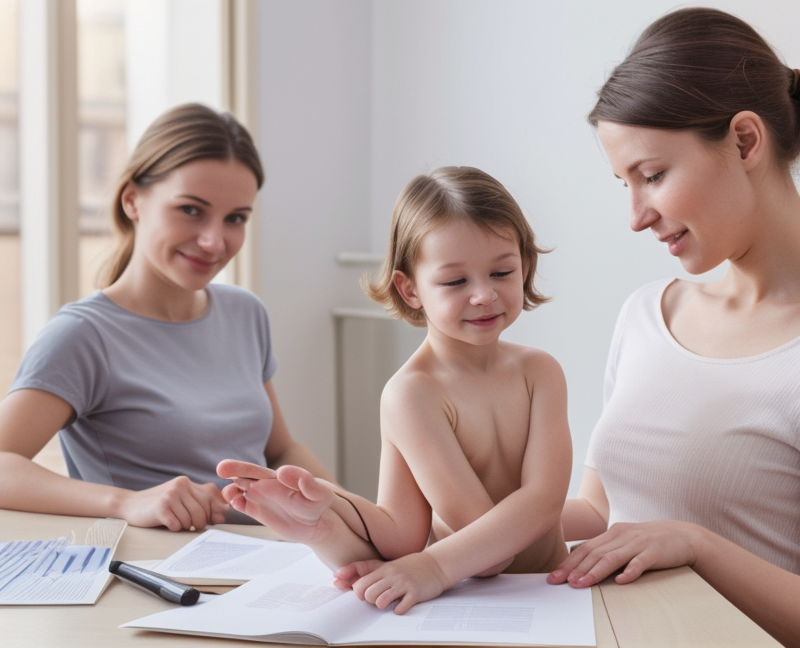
345, 577
289, 500
409, 580
242, 474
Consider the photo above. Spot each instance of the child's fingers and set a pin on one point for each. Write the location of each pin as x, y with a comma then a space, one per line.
299, 479
405, 604
350, 576
342, 585
239, 503
230, 468
291, 476
345, 577
351, 572
230, 491
235, 497
242, 484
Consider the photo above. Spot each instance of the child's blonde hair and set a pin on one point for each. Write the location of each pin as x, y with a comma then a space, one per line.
439, 197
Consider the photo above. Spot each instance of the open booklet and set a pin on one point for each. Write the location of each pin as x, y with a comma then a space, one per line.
299, 605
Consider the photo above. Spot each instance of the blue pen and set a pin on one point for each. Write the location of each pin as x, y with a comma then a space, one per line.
161, 586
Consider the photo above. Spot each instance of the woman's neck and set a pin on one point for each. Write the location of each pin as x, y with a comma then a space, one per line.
157, 300
770, 269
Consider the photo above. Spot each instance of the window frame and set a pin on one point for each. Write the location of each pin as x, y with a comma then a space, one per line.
48, 147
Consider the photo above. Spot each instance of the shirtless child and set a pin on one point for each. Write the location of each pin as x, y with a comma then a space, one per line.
476, 451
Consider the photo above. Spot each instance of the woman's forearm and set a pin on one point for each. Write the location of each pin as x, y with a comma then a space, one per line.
176, 504
27, 486
764, 592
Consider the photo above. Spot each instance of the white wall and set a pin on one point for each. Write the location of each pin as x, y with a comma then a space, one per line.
359, 96
314, 97
173, 53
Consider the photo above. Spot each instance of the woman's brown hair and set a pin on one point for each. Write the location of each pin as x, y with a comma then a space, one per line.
183, 134
695, 69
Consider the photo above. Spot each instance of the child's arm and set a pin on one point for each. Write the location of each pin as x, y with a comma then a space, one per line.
502, 530
531, 511
299, 507
420, 458
330, 520
421, 454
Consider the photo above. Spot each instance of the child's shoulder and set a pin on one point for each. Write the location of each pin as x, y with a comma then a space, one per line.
418, 381
411, 377
539, 369
529, 357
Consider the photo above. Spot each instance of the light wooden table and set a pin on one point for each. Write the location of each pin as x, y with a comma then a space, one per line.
670, 608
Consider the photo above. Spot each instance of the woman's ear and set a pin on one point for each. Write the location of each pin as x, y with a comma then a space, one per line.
128, 200
750, 134
405, 286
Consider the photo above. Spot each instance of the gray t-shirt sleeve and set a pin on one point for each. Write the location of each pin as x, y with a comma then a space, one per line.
66, 359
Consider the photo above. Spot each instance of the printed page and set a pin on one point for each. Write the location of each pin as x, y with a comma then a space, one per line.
504, 610
228, 558
58, 572
299, 603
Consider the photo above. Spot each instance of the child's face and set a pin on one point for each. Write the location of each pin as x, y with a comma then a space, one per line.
468, 280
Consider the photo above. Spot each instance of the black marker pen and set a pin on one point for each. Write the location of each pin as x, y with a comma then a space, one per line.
166, 588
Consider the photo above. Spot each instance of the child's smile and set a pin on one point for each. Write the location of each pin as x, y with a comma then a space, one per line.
469, 282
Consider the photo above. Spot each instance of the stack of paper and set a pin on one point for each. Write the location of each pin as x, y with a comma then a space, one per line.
58, 572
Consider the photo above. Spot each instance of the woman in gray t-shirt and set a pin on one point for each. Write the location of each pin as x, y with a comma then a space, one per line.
155, 378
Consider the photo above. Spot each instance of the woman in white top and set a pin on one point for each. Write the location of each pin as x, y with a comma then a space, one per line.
701, 422
152, 380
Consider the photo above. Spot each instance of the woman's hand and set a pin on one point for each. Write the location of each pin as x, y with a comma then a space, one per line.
409, 580
635, 547
177, 504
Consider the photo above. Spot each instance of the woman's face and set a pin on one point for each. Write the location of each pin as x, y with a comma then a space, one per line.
694, 196
190, 224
